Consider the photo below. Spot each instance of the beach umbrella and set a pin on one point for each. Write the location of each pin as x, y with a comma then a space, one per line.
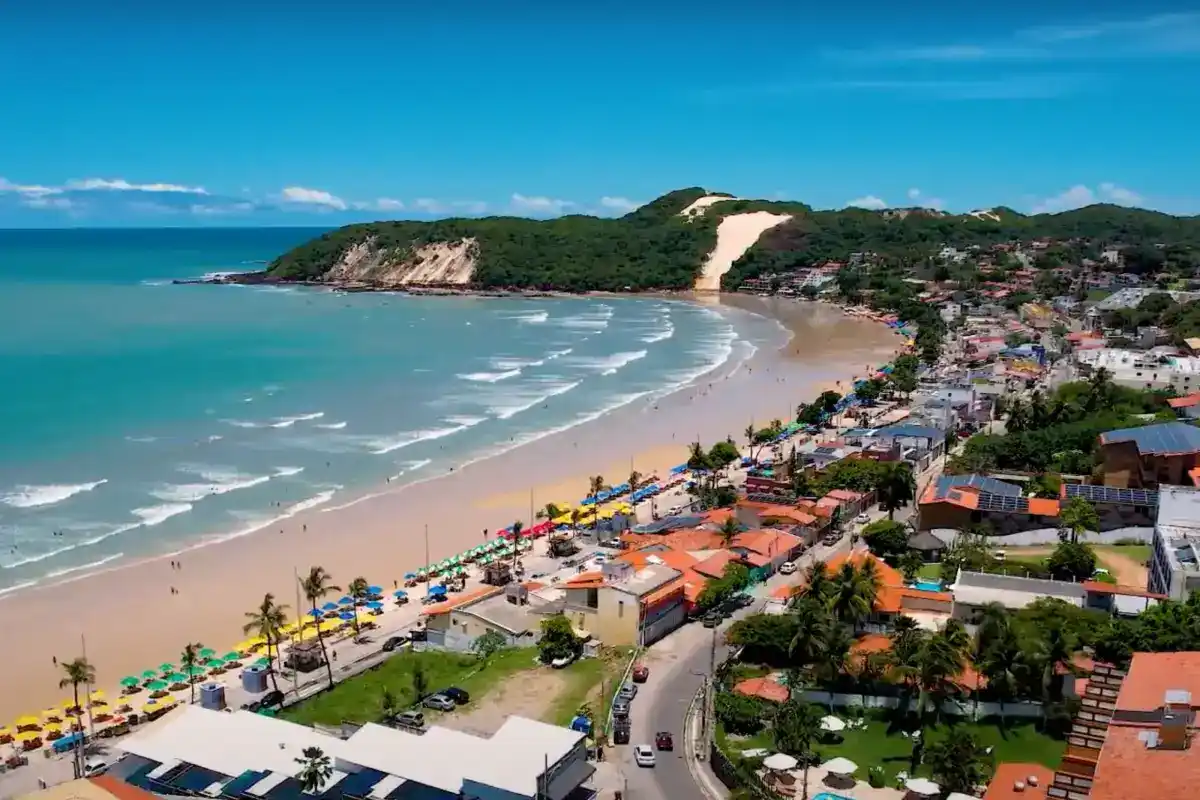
832, 725
214, 663
158, 686
177, 677
28, 721
375, 589
780, 762
263, 662
316, 612
149, 674
400, 593
330, 607
151, 707
437, 589
840, 766
207, 652
346, 601
408, 576
166, 667
52, 714
922, 786
346, 615
194, 670
375, 604
130, 680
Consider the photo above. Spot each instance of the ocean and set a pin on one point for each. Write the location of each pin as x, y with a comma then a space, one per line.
140, 417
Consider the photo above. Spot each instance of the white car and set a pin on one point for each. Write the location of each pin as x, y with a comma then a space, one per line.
787, 568
643, 754
862, 519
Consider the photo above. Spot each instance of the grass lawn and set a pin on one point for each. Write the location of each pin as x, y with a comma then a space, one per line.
931, 572
875, 746
585, 679
358, 699
1096, 295
1138, 552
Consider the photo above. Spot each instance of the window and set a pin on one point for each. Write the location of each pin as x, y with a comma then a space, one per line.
593, 598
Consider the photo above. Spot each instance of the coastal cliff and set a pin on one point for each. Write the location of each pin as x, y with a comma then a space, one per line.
689, 239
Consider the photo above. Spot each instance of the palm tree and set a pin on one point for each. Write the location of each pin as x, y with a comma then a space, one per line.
836, 660
316, 585
848, 601
549, 511
797, 727
76, 673
358, 592
808, 645
729, 530
995, 623
907, 640
869, 582
517, 527
1056, 646
265, 621
635, 479
697, 458
817, 583
940, 662
315, 770
576, 515
896, 487
749, 434
188, 659
596, 485
1003, 664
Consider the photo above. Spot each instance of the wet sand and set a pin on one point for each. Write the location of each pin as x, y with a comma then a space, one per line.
138, 615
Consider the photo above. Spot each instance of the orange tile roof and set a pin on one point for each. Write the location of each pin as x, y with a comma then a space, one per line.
461, 600
1126, 769
1151, 675
714, 565
794, 515
872, 643
675, 559
1099, 587
1008, 774
119, 789
1185, 402
674, 587
783, 592
586, 580
756, 560
763, 688
718, 515
888, 576
845, 494
766, 542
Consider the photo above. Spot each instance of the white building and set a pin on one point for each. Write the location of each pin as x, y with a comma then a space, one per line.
1175, 554
233, 755
1139, 370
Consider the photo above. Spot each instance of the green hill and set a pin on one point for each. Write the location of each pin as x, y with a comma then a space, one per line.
653, 247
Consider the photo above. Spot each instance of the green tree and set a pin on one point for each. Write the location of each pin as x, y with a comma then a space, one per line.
359, 592
1002, 662
550, 511
739, 715
488, 644
77, 672
388, 703
420, 682
959, 763
266, 621
558, 640
189, 659
316, 585
851, 600
911, 564
796, 730
723, 454
728, 530
895, 487
698, 458
315, 770
1076, 518
1072, 561
808, 645
886, 539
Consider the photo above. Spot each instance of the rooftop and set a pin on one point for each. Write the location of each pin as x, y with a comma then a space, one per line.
1008, 775
983, 483
1010, 591
1152, 675
497, 610
1167, 438
1129, 769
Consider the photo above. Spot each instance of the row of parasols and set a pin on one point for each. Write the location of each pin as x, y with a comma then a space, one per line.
456, 566
843, 768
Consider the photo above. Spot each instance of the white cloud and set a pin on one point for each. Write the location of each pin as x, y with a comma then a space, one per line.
870, 201
621, 205
32, 190
379, 204
299, 195
428, 205
122, 185
212, 210
920, 199
539, 205
1079, 196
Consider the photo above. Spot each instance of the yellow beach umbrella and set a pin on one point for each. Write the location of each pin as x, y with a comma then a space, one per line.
152, 706
97, 696
28, 736
168, 702
329, 625
28, 721
54, 714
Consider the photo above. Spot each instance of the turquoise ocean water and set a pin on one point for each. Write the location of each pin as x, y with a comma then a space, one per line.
137, 416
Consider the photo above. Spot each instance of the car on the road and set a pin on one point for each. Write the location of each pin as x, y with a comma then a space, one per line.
394, 642
643, 755
620, 708
862, 519
621, 731
439, 702
641, 673
94, 766
627, 692
664, 741
459, 696
712, 620
787, 568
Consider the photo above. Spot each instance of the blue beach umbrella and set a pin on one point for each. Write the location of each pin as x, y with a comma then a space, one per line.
374, 605
346, 601
408, 576
329, 607
314, 612
346, 615
437, 589
375, 589
400, 593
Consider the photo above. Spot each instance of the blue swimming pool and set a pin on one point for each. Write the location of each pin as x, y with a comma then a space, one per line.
829, 796
928, 586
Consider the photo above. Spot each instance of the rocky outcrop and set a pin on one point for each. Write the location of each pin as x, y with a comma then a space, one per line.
436, 264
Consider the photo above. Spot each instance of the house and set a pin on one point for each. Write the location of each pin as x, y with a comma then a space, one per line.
200, 752
763, 688
1145, 457
895, 598
1187, 407
626, 604
1175, 550
929, 546
510, 611
101, 787
960, 501
973, 591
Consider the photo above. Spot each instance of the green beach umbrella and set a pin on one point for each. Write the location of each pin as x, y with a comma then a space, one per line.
232, 655
262, 662
130, 680
149, 674
194, 670
460, 570
157, 686
214, 663
207, 652
176, 677
166, 667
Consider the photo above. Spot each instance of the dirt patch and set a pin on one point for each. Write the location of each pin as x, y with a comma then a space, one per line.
528, 694
1128, 571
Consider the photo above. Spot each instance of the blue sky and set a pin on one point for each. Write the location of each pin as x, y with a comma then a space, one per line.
303, 113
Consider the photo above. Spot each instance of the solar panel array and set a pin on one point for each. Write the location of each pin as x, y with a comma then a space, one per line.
1004, 503
981, 482
1168, 437
1113, 494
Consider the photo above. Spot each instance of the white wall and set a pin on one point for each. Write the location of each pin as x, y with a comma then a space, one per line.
966, 708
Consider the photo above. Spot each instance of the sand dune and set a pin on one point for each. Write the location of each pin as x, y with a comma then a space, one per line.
735, 235
698, 208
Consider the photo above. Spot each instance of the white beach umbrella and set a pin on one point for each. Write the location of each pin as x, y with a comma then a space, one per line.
960, 796
780, 762
922, 786
832, 724
840, 766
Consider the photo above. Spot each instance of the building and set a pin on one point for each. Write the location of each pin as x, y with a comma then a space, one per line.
1138, 370
1175, 551
251, 756
1143, 458
974, 590
960, 501
1014, 781
895, 597
1186, 408
101, 787
627, 604
510, 611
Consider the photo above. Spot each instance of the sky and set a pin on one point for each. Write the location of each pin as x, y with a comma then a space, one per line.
144, 114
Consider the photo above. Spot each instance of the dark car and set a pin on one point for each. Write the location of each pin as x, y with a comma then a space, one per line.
418, 635
641, 673
271, 698
620, 708
393, 642
621, 734
712, 620
664, 741
459, 696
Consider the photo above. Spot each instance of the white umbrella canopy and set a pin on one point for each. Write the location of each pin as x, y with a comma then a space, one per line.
922, 786
960, 796
832, 725
780, 762
839, 766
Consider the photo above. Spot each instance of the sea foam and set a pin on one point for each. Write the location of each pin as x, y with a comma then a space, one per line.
31, 496
490, 377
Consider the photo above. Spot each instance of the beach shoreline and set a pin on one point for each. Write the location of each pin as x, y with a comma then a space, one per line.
140, 613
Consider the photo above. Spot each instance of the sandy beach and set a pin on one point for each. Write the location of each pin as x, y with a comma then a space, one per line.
132, 619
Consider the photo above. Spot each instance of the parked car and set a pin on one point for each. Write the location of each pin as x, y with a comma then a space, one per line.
712, 620
418, 635
439, 702
643, 755
410, 719
787, 568
394, 642
271, 698
627, 692
563, 663
621, 732
862, 519
664, 741
641, 673
94, 766
459, 696
620, 708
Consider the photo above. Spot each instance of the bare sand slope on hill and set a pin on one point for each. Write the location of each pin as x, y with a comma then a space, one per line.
735, 235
